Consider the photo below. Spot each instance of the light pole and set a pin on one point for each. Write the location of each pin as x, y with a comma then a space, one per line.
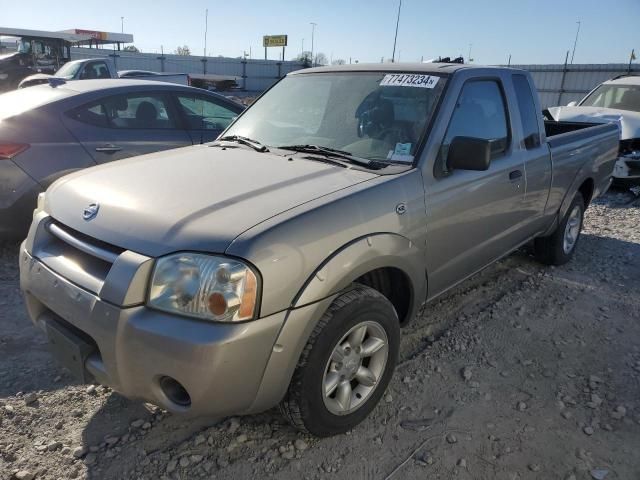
395, 40
469, 59
121, 24
302, 51
575, 42
206, 27
313, 31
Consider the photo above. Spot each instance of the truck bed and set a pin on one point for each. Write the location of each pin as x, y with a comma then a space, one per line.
578, 147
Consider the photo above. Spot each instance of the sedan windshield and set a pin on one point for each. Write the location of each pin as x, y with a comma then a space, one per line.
371, 115
621, 97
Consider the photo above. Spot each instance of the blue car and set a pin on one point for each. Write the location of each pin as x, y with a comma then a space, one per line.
50, 130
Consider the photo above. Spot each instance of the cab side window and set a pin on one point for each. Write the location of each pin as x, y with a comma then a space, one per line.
95, 70
480, 112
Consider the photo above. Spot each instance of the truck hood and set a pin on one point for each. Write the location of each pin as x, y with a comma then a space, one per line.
629, 121
195, 198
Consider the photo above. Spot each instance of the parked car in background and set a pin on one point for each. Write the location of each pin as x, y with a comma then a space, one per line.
616, 100
100, 68
47, 131
278, 264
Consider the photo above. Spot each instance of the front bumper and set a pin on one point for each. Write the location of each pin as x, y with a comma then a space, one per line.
221, 366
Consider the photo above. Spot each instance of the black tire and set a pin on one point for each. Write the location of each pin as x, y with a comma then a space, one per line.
303, 405
550, 250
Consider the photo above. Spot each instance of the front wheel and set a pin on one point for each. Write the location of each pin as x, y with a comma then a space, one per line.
558, 248
346, 365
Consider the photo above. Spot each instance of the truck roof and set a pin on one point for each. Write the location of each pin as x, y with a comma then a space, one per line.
446, 68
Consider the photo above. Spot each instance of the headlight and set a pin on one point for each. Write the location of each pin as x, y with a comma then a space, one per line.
203, 286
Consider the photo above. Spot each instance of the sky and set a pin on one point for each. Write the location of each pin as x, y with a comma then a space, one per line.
531, 31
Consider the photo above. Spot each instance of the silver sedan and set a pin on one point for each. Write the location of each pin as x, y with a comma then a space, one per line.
50, 130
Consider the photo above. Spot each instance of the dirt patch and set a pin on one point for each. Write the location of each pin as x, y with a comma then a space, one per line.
522, 372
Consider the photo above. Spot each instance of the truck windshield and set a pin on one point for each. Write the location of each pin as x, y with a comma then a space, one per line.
373, 115
621, 97
68, 70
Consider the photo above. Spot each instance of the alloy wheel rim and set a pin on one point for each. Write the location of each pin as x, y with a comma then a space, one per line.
572, 230
355, 368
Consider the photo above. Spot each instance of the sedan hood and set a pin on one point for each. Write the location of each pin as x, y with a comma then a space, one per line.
194, 198
629, 121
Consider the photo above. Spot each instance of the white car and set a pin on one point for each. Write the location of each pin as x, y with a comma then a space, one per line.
616, 100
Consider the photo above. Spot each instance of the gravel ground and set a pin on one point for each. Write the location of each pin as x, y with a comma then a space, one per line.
522, 372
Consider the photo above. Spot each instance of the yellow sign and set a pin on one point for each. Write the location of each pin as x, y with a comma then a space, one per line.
274, 41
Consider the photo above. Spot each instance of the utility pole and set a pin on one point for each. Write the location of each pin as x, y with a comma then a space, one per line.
469, 59
395, 40
121, 24
509, 62
302, 51
313, 31
575, 42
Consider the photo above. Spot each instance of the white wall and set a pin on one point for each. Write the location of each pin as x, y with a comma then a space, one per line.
259, 74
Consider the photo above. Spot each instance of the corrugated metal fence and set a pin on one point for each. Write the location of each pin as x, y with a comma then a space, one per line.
253, 75
557, 84
560, 84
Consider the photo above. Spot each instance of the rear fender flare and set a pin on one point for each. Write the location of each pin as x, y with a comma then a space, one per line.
579, 179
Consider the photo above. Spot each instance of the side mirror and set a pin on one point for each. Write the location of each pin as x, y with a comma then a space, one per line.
572, 104
469, 153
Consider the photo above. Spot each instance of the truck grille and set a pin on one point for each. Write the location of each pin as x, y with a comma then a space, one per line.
79, 258
84, 243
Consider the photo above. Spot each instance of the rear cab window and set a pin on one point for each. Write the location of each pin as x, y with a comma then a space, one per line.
528, 113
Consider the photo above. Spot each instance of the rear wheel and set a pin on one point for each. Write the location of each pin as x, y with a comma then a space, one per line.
346, 365
558, 248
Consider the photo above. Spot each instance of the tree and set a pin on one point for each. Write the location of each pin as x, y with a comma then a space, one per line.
184, 50
321, 59
304, 57
131, 48
338, 61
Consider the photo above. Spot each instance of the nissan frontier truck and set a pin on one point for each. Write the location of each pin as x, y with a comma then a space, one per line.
278, 264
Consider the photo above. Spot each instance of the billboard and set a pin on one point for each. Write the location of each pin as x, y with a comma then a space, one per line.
274, 41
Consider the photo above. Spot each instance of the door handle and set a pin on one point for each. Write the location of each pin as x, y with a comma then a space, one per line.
515, 175
108, 149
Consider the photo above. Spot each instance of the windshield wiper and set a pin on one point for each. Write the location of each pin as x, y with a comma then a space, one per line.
331, 152
256, 145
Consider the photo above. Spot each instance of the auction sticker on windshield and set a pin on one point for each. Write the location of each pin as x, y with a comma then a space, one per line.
409, 80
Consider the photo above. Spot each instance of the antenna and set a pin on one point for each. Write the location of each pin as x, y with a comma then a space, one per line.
575, 42
393, 56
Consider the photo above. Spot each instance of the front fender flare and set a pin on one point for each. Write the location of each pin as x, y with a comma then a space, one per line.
363, 255
336, 273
